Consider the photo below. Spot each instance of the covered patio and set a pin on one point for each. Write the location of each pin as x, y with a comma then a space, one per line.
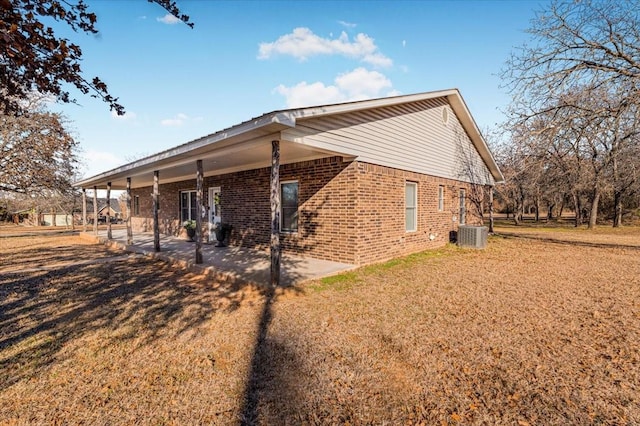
249, 145
235, 263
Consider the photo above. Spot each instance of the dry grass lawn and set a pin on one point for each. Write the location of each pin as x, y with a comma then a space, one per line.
524, 332
564, 232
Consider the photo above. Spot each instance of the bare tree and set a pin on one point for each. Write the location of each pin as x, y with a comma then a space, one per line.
587, 44
124, 206
524, 170
471, 168
37, 153
34, 58
579, 76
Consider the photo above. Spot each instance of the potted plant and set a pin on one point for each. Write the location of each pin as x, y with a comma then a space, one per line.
190, 227
222, 230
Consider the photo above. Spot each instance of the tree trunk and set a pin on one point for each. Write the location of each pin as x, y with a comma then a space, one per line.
521, 200
593, 216
537, 207
577, 207
617, 195
491, 209
516, 210
617, 201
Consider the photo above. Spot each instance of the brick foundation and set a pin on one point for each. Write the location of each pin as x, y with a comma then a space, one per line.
350, 212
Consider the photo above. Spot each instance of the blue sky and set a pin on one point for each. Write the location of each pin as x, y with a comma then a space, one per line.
246, 58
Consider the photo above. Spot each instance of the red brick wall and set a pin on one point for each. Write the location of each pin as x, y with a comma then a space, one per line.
350, 212
169, 213
322, 201
326, 206
380, 218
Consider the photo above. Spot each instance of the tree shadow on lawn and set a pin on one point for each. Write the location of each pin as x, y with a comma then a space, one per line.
45, 315
276, 375
130, 298
33, 256
572, 242
259, 368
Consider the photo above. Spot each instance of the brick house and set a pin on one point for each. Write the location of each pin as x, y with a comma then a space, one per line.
357, 182
112, 210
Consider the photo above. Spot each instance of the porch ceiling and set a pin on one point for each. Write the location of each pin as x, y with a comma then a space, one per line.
244, 156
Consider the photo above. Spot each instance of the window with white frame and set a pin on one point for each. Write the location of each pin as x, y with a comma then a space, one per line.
411, 206
188, 208
440, 198
289, 206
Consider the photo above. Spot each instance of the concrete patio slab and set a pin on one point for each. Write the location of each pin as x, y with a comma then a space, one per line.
239, 264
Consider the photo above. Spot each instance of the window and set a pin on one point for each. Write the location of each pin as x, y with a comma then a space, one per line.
136, 205
441, 198
411, 206
463, 207
289, 206
188, 205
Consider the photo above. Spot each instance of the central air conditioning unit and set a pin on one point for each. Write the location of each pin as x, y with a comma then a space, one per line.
472, 236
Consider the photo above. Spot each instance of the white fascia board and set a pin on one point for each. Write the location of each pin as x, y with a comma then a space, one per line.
466, 119
368, 104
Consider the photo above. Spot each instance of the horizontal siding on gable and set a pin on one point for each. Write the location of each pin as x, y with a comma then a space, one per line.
409, 136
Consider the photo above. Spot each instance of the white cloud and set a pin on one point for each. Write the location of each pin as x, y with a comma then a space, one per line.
302, 43
169, 19
362, 84
128, 116
304, 94
347, 24
179, 120
358, 84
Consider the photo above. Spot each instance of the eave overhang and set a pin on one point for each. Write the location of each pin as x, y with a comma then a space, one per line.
241, 147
